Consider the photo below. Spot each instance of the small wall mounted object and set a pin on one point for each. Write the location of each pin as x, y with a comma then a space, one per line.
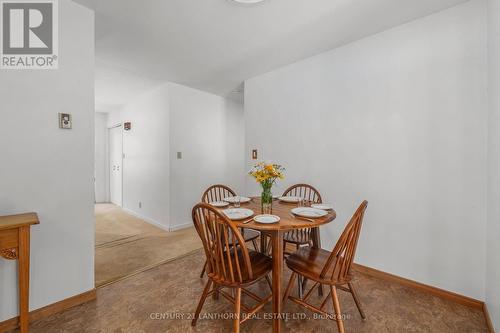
254, 154
127, 126
65, 121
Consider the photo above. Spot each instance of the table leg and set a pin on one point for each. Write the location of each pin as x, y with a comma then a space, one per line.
316, 239
24, 278
277, 246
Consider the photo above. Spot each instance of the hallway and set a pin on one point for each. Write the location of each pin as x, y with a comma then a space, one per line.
126, 245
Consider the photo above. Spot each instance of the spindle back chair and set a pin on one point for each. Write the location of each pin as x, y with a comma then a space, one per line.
222, 242
304, 191
218, 193
301, 237
229, 263
329, 268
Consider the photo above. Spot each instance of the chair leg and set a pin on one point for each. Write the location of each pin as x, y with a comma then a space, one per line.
336, 307
215, 295
202, 301
320, 290
255, 246
237, 310
289, 288
299, 287
263, 243
356, 300
304, 283
203, 270
269, 282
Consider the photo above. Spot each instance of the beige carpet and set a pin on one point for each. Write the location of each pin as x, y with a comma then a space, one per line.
126, 245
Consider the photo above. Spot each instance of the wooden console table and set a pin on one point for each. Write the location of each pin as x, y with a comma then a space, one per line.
15, 244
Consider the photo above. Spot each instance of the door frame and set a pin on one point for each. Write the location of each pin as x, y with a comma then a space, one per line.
109, 159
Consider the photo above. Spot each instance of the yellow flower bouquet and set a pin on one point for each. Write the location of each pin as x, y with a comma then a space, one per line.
266, 174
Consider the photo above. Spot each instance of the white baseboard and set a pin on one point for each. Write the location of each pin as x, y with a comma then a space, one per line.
181, 226
157, 224
147, 219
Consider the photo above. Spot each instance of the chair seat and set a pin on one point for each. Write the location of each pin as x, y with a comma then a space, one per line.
310, 262
249, 234
260, 263
299, 237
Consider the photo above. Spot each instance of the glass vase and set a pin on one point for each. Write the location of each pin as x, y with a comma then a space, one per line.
267, 201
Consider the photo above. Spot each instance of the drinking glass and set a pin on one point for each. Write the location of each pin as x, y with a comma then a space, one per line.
237, 201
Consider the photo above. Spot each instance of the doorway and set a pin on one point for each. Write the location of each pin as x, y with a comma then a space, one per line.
115, 136
125, 243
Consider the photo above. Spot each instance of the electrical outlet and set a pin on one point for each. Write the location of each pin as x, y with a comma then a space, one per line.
140, 204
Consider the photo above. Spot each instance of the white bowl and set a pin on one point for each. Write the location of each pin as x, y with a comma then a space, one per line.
219, 204
322, 206
234, 199
309, 212
290, 199
237, 214
266, 219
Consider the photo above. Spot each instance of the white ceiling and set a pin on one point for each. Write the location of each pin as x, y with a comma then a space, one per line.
214, 45
114, 85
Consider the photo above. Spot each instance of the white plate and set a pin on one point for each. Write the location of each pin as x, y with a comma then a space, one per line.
219, 204
238, 213
309, 212
290, 199
234, 199
322, 206
266, 219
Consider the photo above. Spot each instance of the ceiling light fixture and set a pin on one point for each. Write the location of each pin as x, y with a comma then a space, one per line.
248, 1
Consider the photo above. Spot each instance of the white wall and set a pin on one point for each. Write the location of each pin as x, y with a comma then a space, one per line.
146, 148
398, 119
48, 170
208, 130
101, 158
235, 173
493, 263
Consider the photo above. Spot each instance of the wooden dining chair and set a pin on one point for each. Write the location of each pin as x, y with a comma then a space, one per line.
332, 269
229, 263
301, 237
219, 193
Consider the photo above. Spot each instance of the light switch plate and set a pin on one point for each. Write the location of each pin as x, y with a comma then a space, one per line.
179, 155
65, 121
254, 154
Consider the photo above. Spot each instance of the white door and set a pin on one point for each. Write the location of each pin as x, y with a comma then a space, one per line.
115, 165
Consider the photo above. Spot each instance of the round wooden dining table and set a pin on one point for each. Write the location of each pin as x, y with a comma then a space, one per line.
276, 231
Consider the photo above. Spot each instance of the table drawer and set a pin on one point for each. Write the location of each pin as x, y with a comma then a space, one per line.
9, 238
